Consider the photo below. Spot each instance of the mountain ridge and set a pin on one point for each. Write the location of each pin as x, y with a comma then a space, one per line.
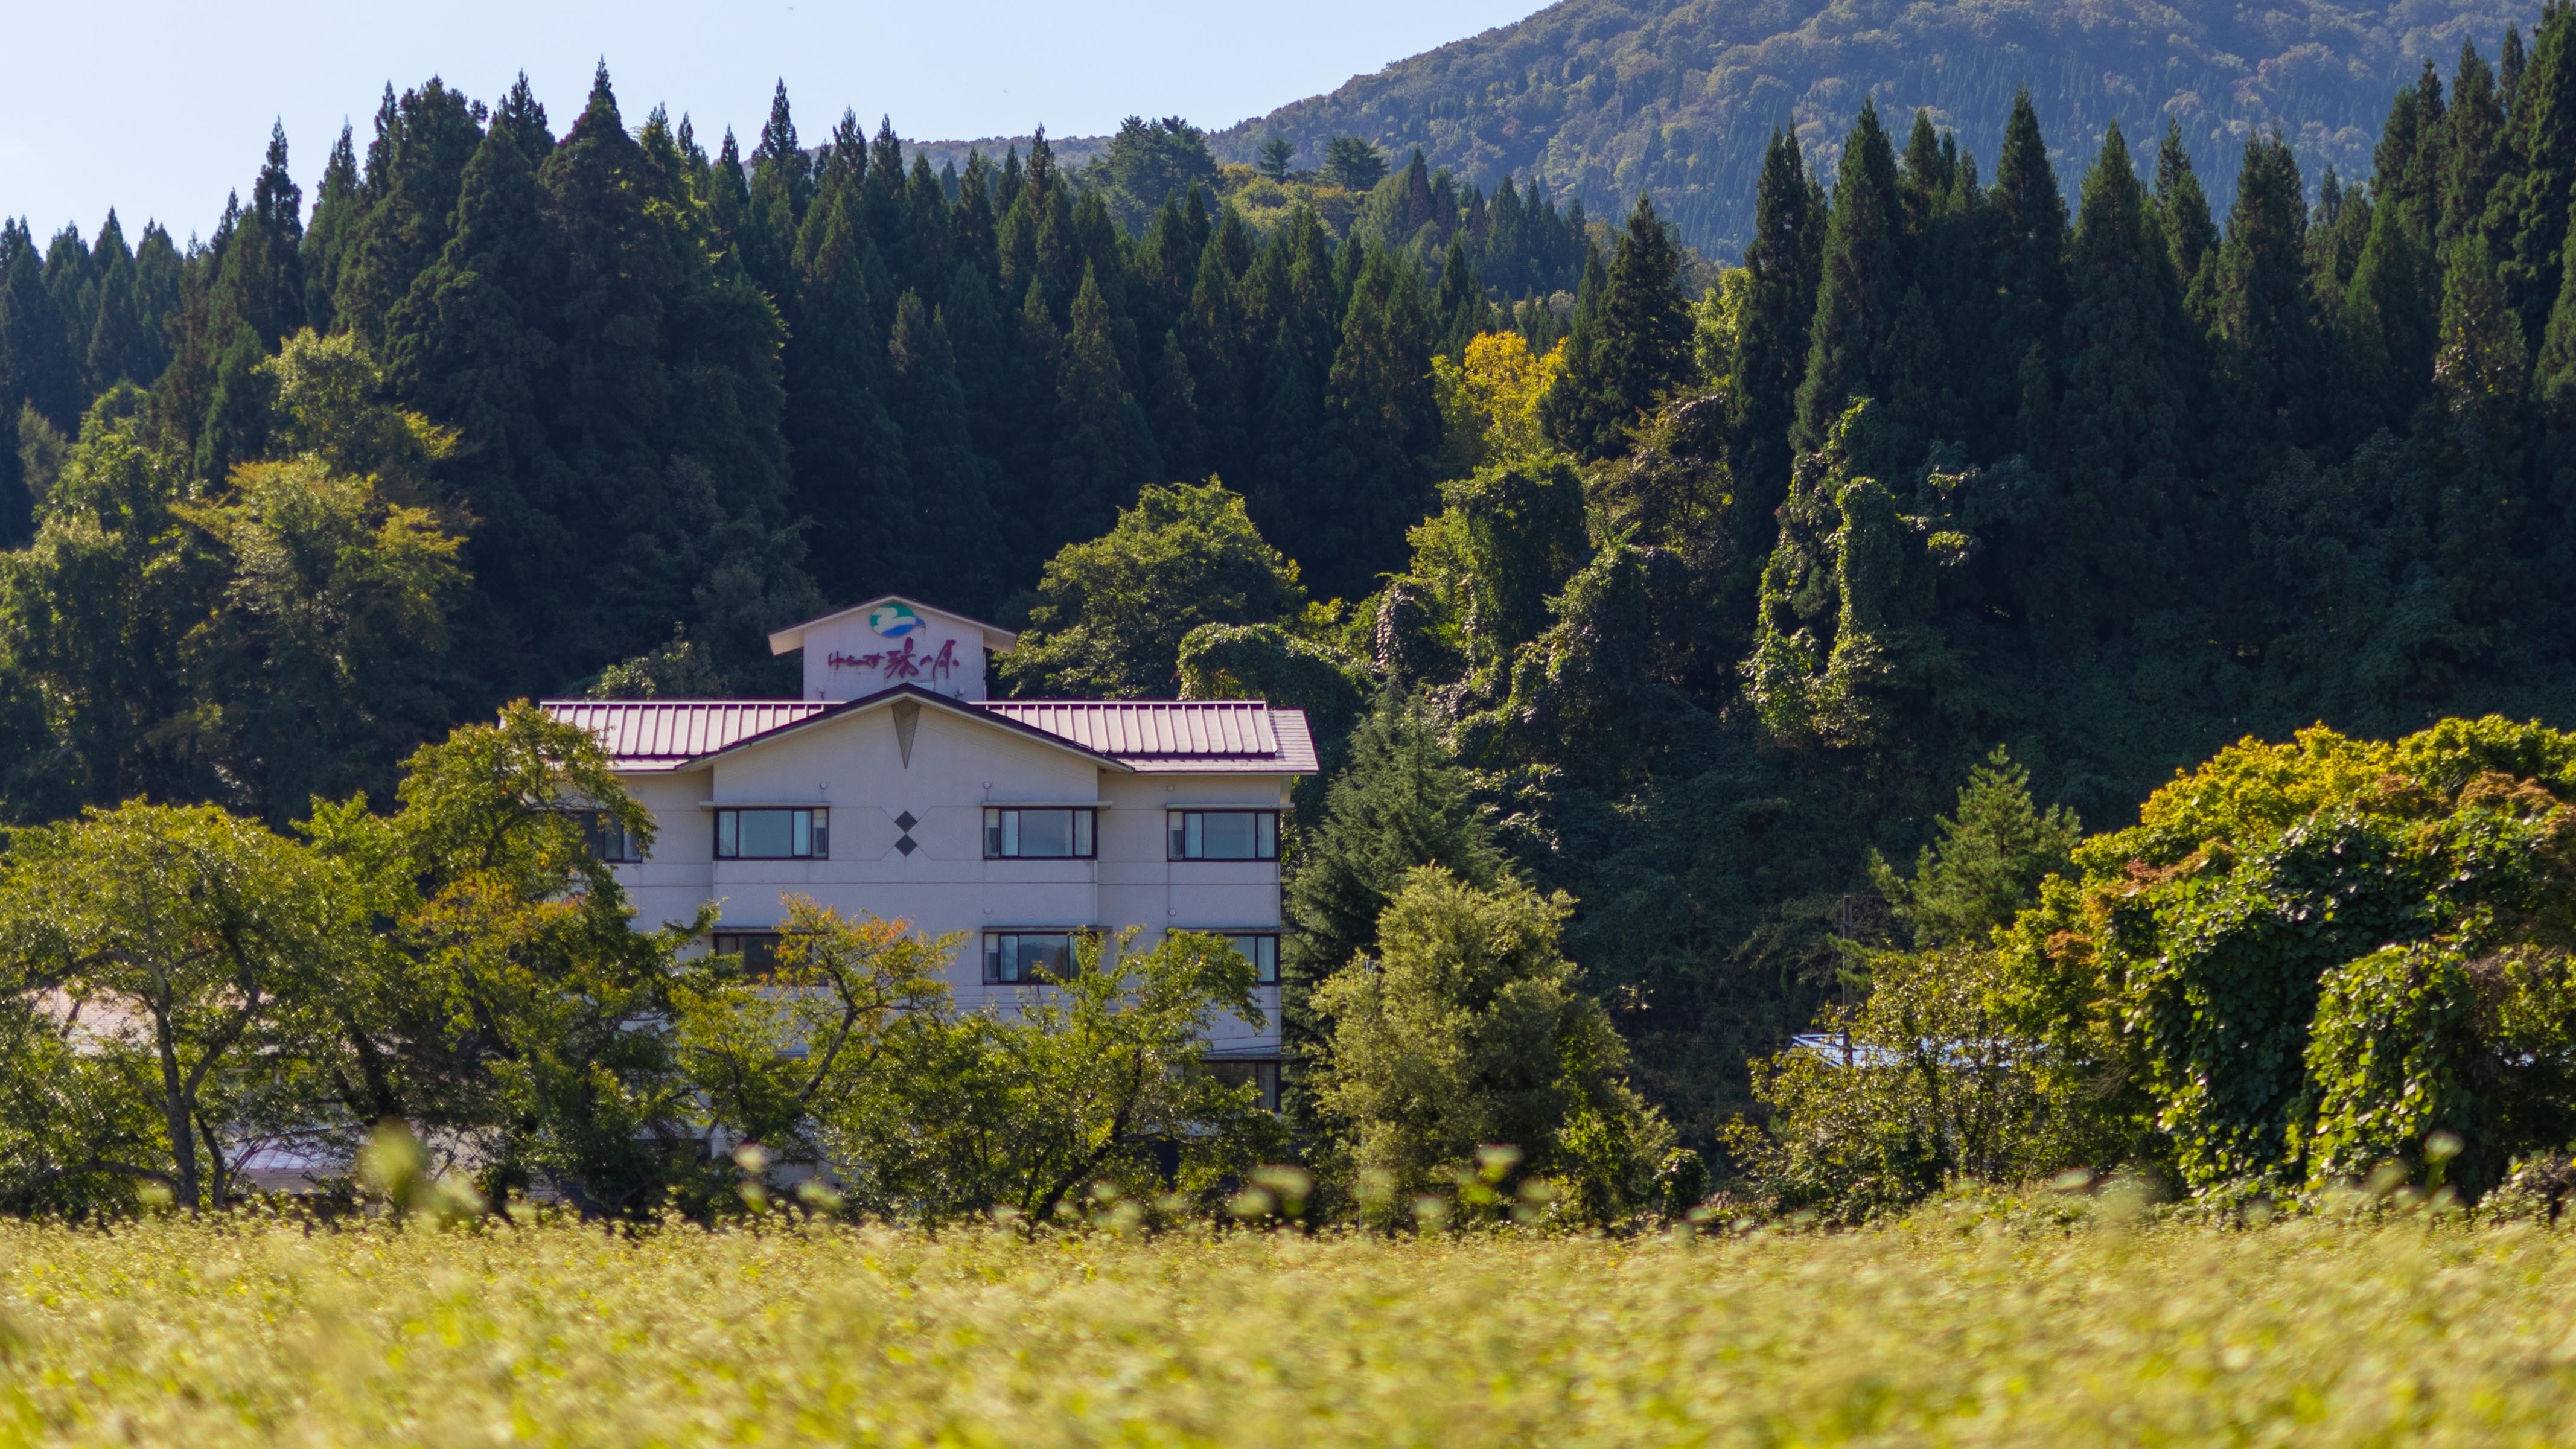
1602, 98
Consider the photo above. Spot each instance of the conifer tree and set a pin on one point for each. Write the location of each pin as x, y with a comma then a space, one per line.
1402, 802
2527, 213
1210, 338
1645, 320
116, 348
2388, 321
1993, 851
35, 346
326, 242
2474, 150
2263, 304
473, 346
951, 482
1859, 284
1381, 428
848, 452
2028, 216
2189, 233
1172, 409
415, 167
1103, 449
2126, 416
1783, 258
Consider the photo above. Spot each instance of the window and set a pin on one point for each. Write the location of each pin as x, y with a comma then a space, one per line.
1038, 834
1262, 1077
1262, 951
758, 950
607, 839
773, 835
1225, 835
1023, 957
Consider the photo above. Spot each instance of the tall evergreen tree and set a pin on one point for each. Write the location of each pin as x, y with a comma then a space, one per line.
1782, 261
1381, 429
2126, 417
335, 220
1104, 450
951, 483
2190, 234
415, 167
2527, 214
2028, 216
35, 346
2263, 303
1859, 285
1641, 350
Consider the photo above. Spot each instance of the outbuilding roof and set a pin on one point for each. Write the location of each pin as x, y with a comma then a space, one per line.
1192, 736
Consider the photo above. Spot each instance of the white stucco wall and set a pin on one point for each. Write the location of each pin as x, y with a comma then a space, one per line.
853, 765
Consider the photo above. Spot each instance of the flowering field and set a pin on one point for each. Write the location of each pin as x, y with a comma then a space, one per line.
1950, 1329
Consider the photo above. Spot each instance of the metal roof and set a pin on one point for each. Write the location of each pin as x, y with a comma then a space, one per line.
1151, 735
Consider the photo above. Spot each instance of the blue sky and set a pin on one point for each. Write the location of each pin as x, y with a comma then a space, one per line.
160, 108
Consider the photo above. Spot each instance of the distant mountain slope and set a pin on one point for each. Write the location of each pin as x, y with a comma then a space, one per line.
1600, 97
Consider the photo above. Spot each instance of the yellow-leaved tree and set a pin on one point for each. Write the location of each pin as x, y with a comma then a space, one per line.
1489, 400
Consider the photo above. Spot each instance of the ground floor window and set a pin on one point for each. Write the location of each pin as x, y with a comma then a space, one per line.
1018, 958
1262, 1077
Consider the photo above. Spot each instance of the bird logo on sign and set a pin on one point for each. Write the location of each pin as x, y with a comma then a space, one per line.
893, 621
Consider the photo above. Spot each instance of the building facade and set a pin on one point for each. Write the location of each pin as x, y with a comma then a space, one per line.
895, 786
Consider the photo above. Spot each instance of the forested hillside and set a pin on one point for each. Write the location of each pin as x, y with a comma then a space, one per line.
1680, 598
1602, 98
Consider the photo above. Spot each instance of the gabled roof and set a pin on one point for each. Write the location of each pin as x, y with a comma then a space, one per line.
663, 735
1215, 736
1197, 735
996, 638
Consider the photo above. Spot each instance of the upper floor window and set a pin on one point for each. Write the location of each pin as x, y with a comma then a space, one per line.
607, 838
773, 835
1020, 958
1225, 835
1262, 951
1038, 834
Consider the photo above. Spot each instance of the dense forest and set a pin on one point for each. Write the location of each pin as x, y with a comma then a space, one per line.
1604, 98
1688, 594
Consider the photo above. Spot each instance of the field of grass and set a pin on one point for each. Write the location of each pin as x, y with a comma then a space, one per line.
1954, 1329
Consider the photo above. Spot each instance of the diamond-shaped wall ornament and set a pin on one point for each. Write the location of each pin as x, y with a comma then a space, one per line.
907, 845
905, 822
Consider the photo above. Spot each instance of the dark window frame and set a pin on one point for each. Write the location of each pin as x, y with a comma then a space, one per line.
991, 954
1082, 831
1181, 831
1264, 972
1261, 1072
607, 838
756, 964
817, 830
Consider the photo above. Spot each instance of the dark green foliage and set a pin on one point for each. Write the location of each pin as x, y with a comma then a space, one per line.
1401, 803
1351, 163
1986, 865
1634, 348
1277, 155
1858, 287
1116, 608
